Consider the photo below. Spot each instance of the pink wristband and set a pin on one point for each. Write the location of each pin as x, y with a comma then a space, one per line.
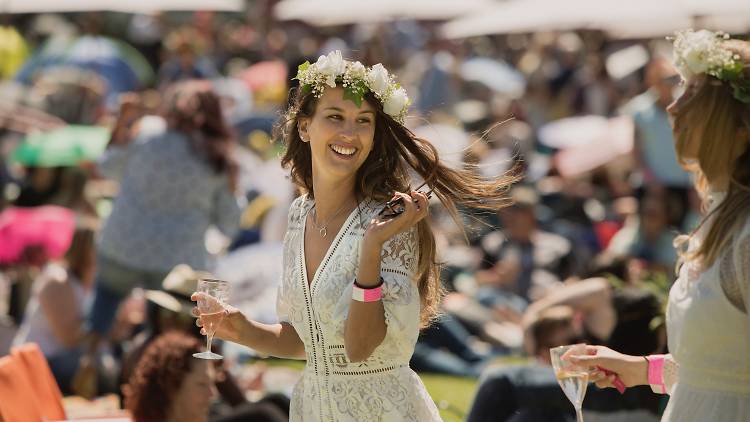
367, 295
656, 373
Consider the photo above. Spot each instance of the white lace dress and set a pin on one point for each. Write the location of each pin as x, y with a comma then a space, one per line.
708, 326
332, 388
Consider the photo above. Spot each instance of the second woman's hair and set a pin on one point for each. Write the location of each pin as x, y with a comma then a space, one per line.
723, 123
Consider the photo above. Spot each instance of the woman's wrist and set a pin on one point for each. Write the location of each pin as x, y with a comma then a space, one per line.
640, 365
368, 273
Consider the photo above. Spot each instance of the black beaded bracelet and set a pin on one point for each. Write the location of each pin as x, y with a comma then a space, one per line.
369, 287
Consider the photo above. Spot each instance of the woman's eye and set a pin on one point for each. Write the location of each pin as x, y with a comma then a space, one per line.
366, 121
334, 117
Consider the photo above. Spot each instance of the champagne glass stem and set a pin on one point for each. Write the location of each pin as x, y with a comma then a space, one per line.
579, 414
209, 339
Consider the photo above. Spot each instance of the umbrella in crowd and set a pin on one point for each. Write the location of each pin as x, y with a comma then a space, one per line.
340, 12
496, 75
66, 146
132, 6
119, 64
636, 18
49, 228
587, 142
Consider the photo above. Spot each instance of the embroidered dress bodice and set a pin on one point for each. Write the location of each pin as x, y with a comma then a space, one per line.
332, 388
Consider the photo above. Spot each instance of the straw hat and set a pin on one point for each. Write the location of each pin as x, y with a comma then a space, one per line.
177, 287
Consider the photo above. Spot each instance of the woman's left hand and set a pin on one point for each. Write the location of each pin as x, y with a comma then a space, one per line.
415, 209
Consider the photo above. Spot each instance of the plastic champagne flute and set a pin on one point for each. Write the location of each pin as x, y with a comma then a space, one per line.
213, 294
573, 379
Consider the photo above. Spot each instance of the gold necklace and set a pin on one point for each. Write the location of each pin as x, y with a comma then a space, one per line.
323, 229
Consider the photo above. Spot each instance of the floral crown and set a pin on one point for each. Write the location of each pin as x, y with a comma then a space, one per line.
703, 51
357, 80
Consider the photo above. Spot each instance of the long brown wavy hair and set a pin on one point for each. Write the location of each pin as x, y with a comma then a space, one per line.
194, 109
395, 151
723, 123
158, 376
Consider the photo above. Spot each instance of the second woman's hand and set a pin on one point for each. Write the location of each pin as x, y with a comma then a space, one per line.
605, 365
230, 328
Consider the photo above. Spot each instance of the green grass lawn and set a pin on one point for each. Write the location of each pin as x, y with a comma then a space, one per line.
453, 395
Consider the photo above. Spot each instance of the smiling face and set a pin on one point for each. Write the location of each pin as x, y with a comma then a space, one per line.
340, 135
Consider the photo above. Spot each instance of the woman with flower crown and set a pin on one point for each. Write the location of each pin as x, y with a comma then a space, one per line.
359, 277
707, 373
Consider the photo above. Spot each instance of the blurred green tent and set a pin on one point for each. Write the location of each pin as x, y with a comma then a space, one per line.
66, 146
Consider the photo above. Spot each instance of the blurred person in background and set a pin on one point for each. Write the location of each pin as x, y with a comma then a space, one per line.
707, 372
54, 316
169, 311
521, 261
578, 312
168, 384
184, 60
654, 146
174, 184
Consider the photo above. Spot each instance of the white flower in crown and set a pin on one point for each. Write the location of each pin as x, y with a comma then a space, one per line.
356, 70
357, 80
396, 102
331, 67
697, 52
378, 80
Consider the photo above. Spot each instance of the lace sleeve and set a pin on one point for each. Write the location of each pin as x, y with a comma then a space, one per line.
399, 261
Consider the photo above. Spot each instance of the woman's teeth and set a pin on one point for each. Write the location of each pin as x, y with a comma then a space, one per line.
343, 150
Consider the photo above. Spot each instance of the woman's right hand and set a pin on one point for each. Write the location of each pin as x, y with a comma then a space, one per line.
632, 370
232, 325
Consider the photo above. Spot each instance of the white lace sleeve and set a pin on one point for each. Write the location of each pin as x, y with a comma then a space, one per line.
399, 260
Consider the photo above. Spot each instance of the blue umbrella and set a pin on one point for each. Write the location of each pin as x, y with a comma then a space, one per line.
119, 64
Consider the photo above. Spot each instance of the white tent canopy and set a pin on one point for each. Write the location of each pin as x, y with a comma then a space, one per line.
128, 6
339, 12
631, 18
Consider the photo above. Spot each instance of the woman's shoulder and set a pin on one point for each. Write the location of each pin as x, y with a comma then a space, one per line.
299, 208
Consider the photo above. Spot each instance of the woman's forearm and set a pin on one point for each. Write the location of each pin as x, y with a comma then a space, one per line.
365, 327
279, 340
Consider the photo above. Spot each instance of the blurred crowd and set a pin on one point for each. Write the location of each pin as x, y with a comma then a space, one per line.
103, 235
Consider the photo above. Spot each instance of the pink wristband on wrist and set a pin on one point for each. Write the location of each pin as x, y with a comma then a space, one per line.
367, 295
656, 373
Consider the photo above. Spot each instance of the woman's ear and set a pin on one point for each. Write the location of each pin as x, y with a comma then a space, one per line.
302, 125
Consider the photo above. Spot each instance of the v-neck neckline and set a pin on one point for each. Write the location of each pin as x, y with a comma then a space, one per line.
310, 284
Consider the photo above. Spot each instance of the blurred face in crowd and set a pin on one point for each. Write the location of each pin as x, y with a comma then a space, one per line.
191, 403
340, 135
662, 77
519, 222
653, 218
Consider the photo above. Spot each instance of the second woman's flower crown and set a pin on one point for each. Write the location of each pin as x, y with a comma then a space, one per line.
703, 51
356, 80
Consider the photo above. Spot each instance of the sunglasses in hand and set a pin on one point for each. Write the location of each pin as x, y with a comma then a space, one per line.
396, 207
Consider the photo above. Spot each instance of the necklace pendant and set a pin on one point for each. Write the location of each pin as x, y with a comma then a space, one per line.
322, 232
